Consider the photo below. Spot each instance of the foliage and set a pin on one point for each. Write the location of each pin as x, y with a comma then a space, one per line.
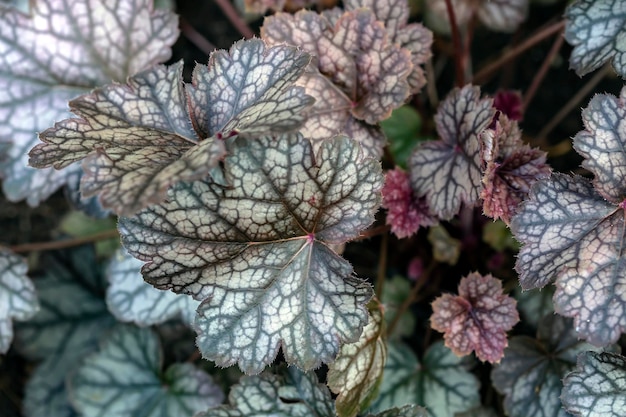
297, 212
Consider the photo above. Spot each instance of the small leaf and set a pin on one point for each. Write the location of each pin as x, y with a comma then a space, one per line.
402, 128
442, 383
18, 299
124, 379
445, 248
257, 252
290, 394
140, 138
497, 15
58, 52
77, 224
597, 387
596, 30
529, 375
396, 291
448, 171
477, 319
131, 299
45, 391
357, 372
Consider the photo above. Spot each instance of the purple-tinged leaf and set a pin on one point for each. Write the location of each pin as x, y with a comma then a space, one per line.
602, 144
596, 30
59, 52
597, 387
562, 216
509, 103
406, 213
18, 299
497, 15
140, 138
477, 319
448, 171
257, 252
529, 376
511, 167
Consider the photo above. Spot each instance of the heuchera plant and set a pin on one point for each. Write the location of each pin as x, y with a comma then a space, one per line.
343, 214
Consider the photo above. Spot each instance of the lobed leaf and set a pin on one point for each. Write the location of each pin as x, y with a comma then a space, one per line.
357, 372
58, 52
597, 387
596, 30
477, 319
257, 253
140, 138
441, 383
45, 391
131, 299
529, 375
124, 379
18, 299
448, 172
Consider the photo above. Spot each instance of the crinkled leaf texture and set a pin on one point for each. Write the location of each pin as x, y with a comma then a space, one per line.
139, 138
124, 379
477, 319
448, 171
357, 372
256, 251
18, 299
573, 229
596, 29
597, 387
131, 299
497, 15
529, 375
442, 383
362, 69
62, 50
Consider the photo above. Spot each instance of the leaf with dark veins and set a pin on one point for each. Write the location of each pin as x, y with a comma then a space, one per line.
59, 52
140, 138
256, 252
448, 172
596, 30
477, 319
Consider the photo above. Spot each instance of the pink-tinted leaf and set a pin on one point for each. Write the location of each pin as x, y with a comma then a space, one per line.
603, 143
62, 50
139, 138
447, 172
406, 213
511, 167
509, 103
256, 252
477, 319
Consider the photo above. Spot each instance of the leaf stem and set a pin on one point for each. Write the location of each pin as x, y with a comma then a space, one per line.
235, 19
374, 231
66, 243
382, 267
195, 37
485, 73
458, 47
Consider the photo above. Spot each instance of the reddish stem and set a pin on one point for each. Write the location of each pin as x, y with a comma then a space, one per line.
458, 47
196, 37
234, 18
66, 243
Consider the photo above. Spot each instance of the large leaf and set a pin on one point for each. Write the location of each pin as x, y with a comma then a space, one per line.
124, 379
62, 50
288, 394
597, 388
256, 252
138, 139
530, 374
448, 171
596, 30
18, 300
131, 299
357, 372
442, 382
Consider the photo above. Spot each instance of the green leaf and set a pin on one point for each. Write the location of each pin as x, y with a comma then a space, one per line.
397, 289
405, 411
289, 394
125, 379
441, 383
357, 372
445, 248
131, 299
597, 388
257, 253
78, 224
448, 171
535, 304
58, 52
596, 30
45, 391
18, 299
140, 138
401, 128
530, 373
